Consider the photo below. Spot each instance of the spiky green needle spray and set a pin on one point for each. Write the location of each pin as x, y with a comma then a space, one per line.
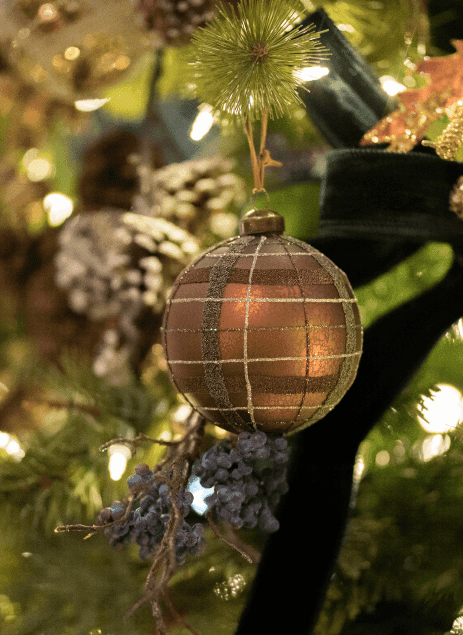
248, 61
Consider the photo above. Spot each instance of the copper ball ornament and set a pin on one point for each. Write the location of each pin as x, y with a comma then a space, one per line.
262, 331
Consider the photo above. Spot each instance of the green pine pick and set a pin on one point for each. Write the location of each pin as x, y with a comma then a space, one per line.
249, 59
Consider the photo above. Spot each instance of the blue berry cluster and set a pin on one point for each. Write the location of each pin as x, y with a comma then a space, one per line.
146, 524
248, 480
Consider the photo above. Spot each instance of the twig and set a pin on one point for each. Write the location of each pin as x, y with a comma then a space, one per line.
92, 528
254, 159
165, 563
232, 540
176, 614
253, 553
259, 163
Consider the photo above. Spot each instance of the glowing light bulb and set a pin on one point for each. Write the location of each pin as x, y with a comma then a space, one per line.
118, 457
391, 86
203, 122
47, 12
310, 73
443, 411
87, 105
58, 207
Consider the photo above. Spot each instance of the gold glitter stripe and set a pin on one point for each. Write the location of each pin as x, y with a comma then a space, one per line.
245, 336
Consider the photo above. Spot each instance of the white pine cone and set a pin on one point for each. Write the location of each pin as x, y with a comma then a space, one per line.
114, 263
175, 21
201, 195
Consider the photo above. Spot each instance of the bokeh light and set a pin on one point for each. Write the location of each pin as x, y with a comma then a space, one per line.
58, 207
391, 86
38, 168
442, 411
118, 456
383, 458
88, 105
203, 122
311, 73
72, 53
11, 446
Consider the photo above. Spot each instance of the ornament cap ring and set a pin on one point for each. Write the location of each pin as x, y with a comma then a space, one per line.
262, 221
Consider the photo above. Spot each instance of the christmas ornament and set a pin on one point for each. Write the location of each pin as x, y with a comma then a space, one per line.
115, 264
201, 196
262, 332
405, 127
175, 21
72, 48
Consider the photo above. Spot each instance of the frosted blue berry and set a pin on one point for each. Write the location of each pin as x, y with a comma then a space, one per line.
134, 481
142, 469
117, 510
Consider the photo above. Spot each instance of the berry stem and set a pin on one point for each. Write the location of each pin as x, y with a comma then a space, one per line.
176, 614
248, 553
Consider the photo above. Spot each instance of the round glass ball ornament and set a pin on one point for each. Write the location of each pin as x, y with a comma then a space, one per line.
262, 331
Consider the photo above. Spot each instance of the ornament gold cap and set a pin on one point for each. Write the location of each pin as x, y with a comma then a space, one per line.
262, 221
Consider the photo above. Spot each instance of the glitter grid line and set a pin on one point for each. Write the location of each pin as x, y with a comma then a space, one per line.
245, 335
282, 407
263, 328
264, 359
242, 300
280, 253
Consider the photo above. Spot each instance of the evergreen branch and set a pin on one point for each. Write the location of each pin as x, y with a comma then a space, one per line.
67, 405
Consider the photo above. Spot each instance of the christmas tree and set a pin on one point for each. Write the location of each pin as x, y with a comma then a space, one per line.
151, 151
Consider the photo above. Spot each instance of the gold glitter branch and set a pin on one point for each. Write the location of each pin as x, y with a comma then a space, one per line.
451, 138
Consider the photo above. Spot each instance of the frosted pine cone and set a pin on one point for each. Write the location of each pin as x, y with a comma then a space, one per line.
201, 196
112, 261
176, 20
116, 264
